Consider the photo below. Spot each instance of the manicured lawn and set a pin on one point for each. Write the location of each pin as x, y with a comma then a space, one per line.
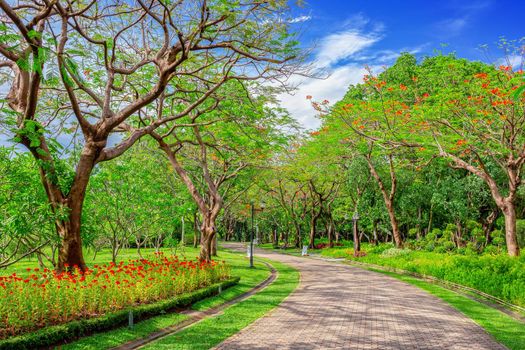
239, 264
212, 331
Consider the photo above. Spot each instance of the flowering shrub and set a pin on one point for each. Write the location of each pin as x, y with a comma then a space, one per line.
326, 245
45, 297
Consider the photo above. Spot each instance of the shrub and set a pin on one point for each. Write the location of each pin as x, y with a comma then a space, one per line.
326, 245
498, 275
412, 233
394, 252
380, 248
430, 246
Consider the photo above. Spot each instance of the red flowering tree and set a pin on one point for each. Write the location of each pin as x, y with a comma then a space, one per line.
474, 119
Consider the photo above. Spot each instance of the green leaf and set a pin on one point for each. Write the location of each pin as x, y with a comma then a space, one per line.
34, 34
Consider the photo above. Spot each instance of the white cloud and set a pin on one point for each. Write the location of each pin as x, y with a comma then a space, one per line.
453, 26
300, 19
337, 56
342, 46
332, 89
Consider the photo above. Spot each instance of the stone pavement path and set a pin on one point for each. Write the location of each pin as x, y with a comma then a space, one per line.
338, 306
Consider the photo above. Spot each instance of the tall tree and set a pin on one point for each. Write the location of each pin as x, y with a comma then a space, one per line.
215, 145
99, 66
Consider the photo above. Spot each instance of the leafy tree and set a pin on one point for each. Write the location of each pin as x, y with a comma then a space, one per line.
98, 67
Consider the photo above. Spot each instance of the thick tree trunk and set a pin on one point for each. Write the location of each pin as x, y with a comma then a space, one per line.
214, 246
509, 212
207, 234
70, 252
395, 226
313, 231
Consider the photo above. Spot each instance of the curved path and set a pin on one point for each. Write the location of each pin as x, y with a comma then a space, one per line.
337, 306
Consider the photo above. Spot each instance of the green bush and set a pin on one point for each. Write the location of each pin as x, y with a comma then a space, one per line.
52, 335
412, 233
394, 252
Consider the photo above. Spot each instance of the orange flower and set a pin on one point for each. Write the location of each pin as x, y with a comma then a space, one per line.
481, 75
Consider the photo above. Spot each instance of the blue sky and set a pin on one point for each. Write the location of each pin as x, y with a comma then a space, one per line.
346, 35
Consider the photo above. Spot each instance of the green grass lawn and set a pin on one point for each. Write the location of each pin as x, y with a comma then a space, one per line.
249, 279
212, 331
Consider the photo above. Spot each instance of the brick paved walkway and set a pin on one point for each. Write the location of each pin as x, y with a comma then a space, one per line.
343, 307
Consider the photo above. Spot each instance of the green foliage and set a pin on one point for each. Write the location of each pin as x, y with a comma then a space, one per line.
394, 252
56, 334
520, 228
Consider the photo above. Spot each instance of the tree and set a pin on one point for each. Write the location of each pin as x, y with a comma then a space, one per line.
98, 68
130, 202
215, 145
470, 118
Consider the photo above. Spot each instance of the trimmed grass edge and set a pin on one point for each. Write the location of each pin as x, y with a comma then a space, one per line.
57, 334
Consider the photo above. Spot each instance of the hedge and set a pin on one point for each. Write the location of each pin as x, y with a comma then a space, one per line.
62, 333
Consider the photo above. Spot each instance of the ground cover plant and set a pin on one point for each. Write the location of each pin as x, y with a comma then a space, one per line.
44, 297
249, 278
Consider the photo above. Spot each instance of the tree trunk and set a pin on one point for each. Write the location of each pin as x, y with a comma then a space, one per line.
275, 237
214, 246
388, 197
313, 231
488, 225
330, 235
395, 226
357, 243
509, 212
70, 253
376, 238
196, 230
207, 234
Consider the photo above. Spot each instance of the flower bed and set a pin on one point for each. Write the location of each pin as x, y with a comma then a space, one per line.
45, 298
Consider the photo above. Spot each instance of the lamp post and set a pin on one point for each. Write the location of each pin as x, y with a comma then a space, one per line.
253, 229
357, 244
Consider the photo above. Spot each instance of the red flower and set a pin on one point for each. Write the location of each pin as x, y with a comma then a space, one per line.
481, 75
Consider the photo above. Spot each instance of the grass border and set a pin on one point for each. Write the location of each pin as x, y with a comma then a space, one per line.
58, 334
236, 317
